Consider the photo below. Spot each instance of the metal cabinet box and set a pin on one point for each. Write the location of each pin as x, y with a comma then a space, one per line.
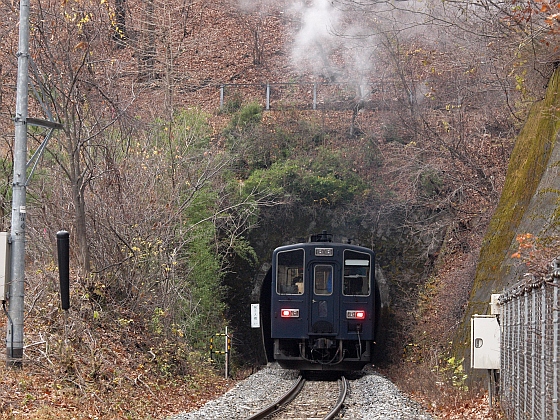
485, 342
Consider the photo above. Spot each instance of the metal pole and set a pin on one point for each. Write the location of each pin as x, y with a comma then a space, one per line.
63, 248
14, 338
503, 347
533, 341
490, 388
267, 96
314, 96
519, 351
227, 355
526, 326
222, 97
507, 336
543, 295
555, 355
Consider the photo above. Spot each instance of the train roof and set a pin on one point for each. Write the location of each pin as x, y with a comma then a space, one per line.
323, 239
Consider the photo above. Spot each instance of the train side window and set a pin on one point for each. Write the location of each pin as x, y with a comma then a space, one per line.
323, 280
289, 272
357, 266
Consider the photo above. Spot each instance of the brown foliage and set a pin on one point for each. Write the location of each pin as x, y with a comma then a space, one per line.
439, 138
105, 364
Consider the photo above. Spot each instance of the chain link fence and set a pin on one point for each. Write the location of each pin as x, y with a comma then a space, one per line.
530, 348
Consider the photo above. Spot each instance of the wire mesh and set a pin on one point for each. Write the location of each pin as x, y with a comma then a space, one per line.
530, 349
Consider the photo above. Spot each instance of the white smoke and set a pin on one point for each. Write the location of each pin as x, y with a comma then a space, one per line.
316, 41
334, 43
336, 40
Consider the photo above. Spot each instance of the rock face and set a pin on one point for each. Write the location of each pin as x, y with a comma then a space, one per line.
529, 204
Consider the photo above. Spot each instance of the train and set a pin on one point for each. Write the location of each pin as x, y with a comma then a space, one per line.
320, 305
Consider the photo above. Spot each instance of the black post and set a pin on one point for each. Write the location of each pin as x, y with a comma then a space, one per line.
63, 247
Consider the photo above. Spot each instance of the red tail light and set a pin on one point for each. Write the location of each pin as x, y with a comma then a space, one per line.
356, 314
289, 313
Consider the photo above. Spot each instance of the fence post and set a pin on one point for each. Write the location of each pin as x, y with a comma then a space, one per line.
267, 96
534, 320
543, 350
519, 352
555, 344
221, 96
507, 355
227, 353
526, 327
314, 96
63, 251
512, 352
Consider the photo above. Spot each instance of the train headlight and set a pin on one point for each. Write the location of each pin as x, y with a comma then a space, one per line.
289, 313
355, 314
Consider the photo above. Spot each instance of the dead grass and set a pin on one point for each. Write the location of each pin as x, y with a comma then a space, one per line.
79, 369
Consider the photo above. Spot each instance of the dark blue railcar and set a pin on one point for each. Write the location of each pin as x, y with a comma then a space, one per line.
323, 305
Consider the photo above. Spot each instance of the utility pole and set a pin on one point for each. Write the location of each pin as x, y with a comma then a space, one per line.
14, 338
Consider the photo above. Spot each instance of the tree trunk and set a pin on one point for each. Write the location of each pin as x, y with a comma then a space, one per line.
77, 184
147, 50
120, 28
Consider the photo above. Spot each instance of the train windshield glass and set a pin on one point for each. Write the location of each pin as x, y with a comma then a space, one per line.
357, 267
289, 272
323, 279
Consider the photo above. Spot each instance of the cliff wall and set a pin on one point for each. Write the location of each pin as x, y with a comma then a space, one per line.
529, 204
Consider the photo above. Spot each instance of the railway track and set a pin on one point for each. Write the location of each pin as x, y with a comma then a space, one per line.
307, 400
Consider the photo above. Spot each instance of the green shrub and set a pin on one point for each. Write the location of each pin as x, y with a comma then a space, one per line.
248, 116
325, 180
233, 103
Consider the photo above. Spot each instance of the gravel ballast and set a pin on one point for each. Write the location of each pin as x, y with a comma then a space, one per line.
371, 397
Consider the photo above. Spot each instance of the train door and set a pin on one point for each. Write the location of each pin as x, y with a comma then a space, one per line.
324, 299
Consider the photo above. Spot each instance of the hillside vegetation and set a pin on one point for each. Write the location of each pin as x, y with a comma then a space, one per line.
523, 234
176, 178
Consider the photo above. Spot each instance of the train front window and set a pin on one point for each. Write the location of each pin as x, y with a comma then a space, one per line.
289, 272
323, 280
357, 267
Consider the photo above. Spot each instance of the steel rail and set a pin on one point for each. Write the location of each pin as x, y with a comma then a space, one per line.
343, 388
285, 399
